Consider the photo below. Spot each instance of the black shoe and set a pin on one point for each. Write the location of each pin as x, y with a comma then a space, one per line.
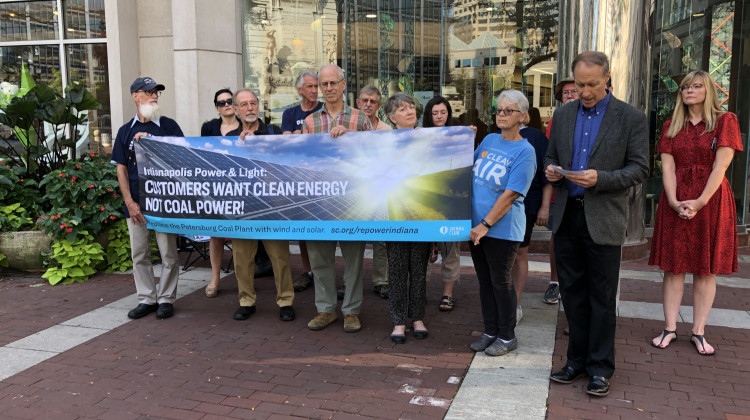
142, 310
420, 334
286, 313
398, 338
243, 312
598, 386
567, 375
340, 292
382, 290
484, 341
263, 270
165, 310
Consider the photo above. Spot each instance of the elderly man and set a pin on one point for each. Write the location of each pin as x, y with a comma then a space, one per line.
603, 142
565, 91
369, 102
147, 122
247, 109
291, 123
336, 118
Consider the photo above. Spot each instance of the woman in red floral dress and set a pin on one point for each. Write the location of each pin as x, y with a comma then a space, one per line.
696, 222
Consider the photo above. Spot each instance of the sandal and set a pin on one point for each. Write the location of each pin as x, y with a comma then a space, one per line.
446, 305
212, 292
703, 345
664, 335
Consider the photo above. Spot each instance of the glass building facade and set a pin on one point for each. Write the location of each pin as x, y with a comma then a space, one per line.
465, 50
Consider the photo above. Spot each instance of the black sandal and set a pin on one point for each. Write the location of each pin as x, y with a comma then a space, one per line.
664, 335
703, 345
448, 301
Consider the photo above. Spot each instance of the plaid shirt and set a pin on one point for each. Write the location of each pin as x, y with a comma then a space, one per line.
321, 121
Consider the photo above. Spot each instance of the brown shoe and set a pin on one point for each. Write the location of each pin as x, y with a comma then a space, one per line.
303, 282
321, 320
351, 323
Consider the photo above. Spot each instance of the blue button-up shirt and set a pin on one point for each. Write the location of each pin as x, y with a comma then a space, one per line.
587, 127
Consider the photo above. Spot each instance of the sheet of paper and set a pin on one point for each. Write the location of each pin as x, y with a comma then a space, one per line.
564, 172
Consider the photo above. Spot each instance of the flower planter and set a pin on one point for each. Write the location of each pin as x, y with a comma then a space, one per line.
23, 250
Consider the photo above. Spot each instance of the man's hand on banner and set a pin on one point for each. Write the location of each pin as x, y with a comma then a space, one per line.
135, 213
246, 133
137, 136
338, 130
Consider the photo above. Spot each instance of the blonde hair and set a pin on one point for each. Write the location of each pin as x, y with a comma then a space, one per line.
711, 110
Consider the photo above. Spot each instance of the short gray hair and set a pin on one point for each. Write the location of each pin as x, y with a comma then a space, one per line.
515, 97
244, 90
592, 57
300, 77
370, 90
396, 101
342, 75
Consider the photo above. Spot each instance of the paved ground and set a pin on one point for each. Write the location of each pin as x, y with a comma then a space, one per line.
70, 352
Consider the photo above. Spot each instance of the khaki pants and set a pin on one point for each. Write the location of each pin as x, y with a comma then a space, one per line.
450, 255
379, 264
244, 251
323, 261
143, 271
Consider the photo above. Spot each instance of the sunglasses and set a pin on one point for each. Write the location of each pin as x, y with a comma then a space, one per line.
221, 104
507, 111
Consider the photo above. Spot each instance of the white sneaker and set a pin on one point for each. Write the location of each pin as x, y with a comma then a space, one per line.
519, 314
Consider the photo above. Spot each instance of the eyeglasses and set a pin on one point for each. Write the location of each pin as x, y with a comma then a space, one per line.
221, 104
369, 101
330, 84
570, 92
694, 86
151, 92
508, 112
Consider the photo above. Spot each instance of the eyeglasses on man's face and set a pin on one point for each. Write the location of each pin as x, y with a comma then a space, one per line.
329, 84
570, 92
222, 104
694, 86
151, 92
507, 111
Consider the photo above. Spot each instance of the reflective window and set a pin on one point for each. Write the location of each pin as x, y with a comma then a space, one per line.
29, 21
84, 19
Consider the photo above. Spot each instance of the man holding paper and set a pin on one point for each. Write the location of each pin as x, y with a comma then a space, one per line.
598, 149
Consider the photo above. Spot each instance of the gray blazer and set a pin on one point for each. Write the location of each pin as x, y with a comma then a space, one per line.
620, 157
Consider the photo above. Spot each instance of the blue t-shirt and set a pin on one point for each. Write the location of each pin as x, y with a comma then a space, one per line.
293, 117
124, 153
501, 165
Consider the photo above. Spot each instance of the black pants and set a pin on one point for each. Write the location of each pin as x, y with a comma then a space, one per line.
588, 275
407, 272
493, 258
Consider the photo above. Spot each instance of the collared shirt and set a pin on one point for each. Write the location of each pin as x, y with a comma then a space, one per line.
382, 125
587, 127
136, 119
322, 122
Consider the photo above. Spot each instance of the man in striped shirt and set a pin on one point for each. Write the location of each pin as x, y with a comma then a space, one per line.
336, 118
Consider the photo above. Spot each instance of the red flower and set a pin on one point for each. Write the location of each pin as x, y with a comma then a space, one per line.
92, 154
78, 166
63, 226
83, 206
21, 180
114, 195
40, 217
105, 220
91, 185
101, 208
112, 218
109, 189
73, 179
62, 174
58, 215
69, 230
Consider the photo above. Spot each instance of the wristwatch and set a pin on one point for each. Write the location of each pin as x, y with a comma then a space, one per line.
487, 225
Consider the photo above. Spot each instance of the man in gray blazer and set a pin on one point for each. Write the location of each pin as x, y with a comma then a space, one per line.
604, 142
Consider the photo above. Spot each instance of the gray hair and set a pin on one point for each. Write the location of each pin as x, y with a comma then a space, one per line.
300, 77
397, 101
341, 71
370, 90
244, 90
515, 97
592, 57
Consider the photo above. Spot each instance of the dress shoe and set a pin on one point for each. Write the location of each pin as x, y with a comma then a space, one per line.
286, 313
142, 310
598, 386
321, 320
420, 334
398, 338
165, 310
303, 282
500, 347
484, 341
351, 323
567, 375
243, 312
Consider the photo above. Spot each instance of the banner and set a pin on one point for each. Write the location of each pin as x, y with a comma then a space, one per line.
399, 185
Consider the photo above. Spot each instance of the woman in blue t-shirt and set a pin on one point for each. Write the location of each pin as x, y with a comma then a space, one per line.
504, 166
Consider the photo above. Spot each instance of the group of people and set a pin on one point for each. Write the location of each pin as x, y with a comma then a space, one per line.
574, 179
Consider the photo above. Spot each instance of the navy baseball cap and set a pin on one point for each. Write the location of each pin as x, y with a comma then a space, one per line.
145, 84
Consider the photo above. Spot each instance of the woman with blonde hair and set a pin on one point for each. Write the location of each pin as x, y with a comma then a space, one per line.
695, 230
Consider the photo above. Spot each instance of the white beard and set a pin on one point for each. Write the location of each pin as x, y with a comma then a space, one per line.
149, 111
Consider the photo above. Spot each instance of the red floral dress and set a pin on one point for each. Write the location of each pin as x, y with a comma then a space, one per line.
706, 244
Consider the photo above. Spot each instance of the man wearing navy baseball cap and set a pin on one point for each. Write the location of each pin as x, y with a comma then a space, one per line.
147, 122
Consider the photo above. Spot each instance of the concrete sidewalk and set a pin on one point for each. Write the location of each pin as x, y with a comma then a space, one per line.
71, 352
